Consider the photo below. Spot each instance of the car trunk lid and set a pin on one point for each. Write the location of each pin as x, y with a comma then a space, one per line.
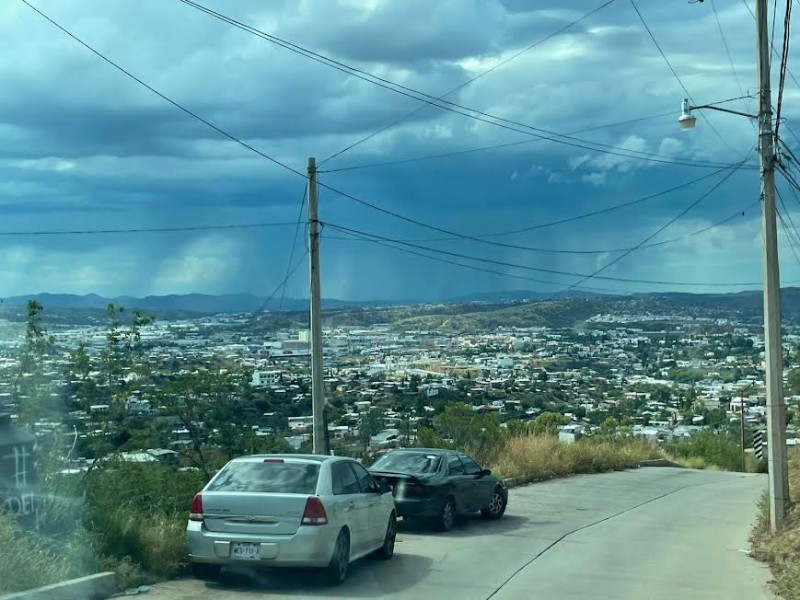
253, 512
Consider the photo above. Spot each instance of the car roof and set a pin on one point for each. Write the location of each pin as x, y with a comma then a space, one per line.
434, 451
319, 458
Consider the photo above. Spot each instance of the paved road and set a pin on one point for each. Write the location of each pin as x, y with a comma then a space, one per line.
649, 533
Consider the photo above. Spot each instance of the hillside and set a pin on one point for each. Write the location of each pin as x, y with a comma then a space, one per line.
450, 318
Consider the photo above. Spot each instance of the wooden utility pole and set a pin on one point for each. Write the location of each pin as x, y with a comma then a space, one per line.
773, 348
317, 383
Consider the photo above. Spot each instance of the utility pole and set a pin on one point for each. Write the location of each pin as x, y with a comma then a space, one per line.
741, 431
317, 384
773, 355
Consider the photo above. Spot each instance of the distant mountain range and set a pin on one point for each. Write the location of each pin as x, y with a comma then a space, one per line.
750, 301
199, 303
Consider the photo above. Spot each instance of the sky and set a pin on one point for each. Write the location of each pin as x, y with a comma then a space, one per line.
83, 147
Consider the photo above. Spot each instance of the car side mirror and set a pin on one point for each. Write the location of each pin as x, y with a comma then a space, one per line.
383, 488
485, 472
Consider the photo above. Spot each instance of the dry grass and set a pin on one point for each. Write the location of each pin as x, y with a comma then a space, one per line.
544, 457
694, 462
24, 563
782, 551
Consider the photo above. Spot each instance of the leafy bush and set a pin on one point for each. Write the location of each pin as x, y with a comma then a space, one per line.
709, 449
460, 427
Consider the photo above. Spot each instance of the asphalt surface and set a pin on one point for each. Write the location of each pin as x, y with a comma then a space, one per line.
649, 533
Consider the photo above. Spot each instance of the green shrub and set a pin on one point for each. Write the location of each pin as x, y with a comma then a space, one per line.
138, 514
714, 449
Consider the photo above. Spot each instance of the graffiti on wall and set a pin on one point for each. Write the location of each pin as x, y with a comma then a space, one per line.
17, 478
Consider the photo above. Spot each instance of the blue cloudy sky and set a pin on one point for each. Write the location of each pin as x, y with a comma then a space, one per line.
82, 147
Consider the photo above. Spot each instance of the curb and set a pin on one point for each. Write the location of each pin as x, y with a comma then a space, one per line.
92, 587
659, 462
523, 480
512, 482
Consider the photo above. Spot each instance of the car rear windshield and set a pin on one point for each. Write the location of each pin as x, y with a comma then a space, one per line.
274, 477
408, 462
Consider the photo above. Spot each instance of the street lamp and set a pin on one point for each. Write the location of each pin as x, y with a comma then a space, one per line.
687, 120
773, 349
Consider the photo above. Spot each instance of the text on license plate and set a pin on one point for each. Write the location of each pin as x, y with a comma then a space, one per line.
245, 551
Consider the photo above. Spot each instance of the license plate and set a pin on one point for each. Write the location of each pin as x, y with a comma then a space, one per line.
245, 551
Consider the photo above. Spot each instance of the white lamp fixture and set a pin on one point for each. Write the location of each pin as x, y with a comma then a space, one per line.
686, 120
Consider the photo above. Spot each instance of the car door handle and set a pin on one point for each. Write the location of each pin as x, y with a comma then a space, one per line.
350, 506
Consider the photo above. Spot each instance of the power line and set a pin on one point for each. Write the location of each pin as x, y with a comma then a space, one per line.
357, 237
739, 213
469, 81
217, 128
535, 269
674, 73
783, 65
730, 55
658, 231
703, 164
143, 229
550, 250
788, 70
160, 95
492, 147
282, 283
794, 241
453, 107
294, 243
525, 229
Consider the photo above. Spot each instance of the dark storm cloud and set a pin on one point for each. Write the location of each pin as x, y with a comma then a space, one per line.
82, 146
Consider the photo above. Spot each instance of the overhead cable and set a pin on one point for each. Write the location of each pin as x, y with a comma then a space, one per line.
428, 99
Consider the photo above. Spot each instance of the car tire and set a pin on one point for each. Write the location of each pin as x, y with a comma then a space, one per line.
386, 551
336, 571
447, 515
206, 571
497, 506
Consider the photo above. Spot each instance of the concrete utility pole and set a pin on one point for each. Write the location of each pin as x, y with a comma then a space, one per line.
776, 407
317, 384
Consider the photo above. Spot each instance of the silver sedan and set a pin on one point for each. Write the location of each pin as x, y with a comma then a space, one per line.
290, 511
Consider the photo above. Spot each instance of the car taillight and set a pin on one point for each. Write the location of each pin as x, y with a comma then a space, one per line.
314, 514
196, 511
414, 488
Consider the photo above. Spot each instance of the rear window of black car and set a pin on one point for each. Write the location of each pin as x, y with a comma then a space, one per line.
285, 478
408, 462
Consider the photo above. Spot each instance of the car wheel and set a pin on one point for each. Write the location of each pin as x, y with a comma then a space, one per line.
447, 516
205, 571
497, 506
386, 551
336, 571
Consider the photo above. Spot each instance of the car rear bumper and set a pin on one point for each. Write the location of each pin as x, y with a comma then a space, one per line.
311, 546
418, 508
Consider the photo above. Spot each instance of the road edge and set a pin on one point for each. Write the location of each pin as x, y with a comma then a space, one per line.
92, 587
525, 480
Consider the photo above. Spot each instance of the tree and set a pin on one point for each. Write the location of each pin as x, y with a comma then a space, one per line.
123, 352
414, 382
794, 381
371, 424
79, 376
609, 426
31, 390
548, 423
